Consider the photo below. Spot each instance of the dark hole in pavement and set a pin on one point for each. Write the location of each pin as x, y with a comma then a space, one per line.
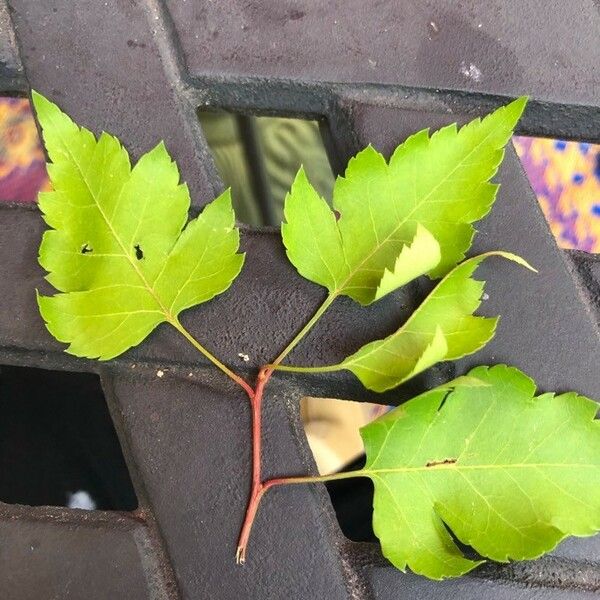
58, 445
352, 501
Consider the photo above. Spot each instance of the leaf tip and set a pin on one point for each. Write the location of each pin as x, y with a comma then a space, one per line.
41, 104
517, 259
35, 96
516, 108
301, 177
476, 260
41, 302
521, 102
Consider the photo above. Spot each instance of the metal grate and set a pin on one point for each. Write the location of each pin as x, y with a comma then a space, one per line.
376, 71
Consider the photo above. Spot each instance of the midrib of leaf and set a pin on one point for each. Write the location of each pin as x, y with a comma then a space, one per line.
380, 245
147, 286
322, 259
459, 468
114, 314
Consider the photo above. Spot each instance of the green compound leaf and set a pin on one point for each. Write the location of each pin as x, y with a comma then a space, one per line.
508, 473
116, 248
442, 328
440, 183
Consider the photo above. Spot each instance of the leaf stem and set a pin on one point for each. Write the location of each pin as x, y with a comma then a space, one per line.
309, 325
314, 478
260, 491
213, 359
258, 488
295, 369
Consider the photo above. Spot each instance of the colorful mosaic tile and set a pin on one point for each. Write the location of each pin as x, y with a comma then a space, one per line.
566, 179
22, 168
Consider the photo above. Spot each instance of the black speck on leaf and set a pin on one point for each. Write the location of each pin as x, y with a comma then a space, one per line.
437, 463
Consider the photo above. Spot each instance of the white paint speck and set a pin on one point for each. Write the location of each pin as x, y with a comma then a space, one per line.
80, 499
434, 26
160, 373
244, 357
485, 297
470, 71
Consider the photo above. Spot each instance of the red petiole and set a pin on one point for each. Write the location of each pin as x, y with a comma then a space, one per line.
255, 396
258, 488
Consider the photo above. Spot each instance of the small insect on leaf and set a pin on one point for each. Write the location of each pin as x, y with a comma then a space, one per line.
117, 248
395, 220
507, 472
